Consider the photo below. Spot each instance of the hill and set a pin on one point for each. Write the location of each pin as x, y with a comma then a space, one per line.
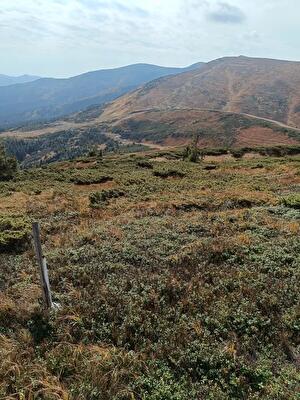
50, 98
213, 128
175, 280
6, 80
260, 87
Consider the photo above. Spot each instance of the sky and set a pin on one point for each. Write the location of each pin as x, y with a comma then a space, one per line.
62, 38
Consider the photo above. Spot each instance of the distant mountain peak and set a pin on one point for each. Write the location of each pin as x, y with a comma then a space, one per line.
6, 80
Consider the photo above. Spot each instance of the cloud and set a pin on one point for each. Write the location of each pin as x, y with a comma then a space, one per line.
140, 12
67, 37
252, 36
114, 5
226, 13
195, 4
94, 3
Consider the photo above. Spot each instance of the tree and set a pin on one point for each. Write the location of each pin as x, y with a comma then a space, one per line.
192, 152
8, 165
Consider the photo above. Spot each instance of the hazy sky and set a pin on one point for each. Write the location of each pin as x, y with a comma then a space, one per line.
68, 37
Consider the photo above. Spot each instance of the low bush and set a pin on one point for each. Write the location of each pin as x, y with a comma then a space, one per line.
169, 173
89, 179
291, 201
144, 164
14, 232
279, 151
98, 199
214, 152
238, 153
210, 167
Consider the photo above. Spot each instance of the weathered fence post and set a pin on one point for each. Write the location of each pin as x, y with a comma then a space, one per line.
42, 265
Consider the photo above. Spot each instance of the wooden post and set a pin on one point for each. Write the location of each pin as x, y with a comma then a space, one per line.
42, 265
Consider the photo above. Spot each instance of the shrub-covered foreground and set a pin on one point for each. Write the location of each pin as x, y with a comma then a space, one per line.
186, 286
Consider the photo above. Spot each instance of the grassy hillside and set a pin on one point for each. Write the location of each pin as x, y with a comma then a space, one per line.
214, 128
175, 280
261, 87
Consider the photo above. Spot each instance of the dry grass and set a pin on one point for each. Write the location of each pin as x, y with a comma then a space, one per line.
173, 291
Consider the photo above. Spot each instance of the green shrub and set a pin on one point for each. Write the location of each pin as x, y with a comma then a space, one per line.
89, 179
168, 173
161, 383
292, 201
215, 151
14, 232
238, 153
210, 167
98, 199
279, 151
144, 164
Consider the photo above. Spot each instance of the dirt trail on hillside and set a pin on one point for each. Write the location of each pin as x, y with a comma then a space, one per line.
128, 142
281, 124
67, 125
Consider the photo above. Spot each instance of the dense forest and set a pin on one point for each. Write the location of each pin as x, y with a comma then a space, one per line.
63, 145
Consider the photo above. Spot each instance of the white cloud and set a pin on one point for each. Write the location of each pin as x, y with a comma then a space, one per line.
226, 13
65, 37
253, 36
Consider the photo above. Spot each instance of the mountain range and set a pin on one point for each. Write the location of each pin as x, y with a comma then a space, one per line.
264, 88
6, 80
49, 98
231, 102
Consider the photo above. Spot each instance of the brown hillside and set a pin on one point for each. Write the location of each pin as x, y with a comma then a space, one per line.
261, 87
215, 128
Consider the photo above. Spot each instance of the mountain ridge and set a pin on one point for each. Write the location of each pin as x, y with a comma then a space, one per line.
49, 98
7, 80
265, 88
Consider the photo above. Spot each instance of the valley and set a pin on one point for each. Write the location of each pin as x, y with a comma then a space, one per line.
152, 128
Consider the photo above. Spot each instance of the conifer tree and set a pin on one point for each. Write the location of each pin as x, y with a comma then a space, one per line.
192, 152
8, 165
